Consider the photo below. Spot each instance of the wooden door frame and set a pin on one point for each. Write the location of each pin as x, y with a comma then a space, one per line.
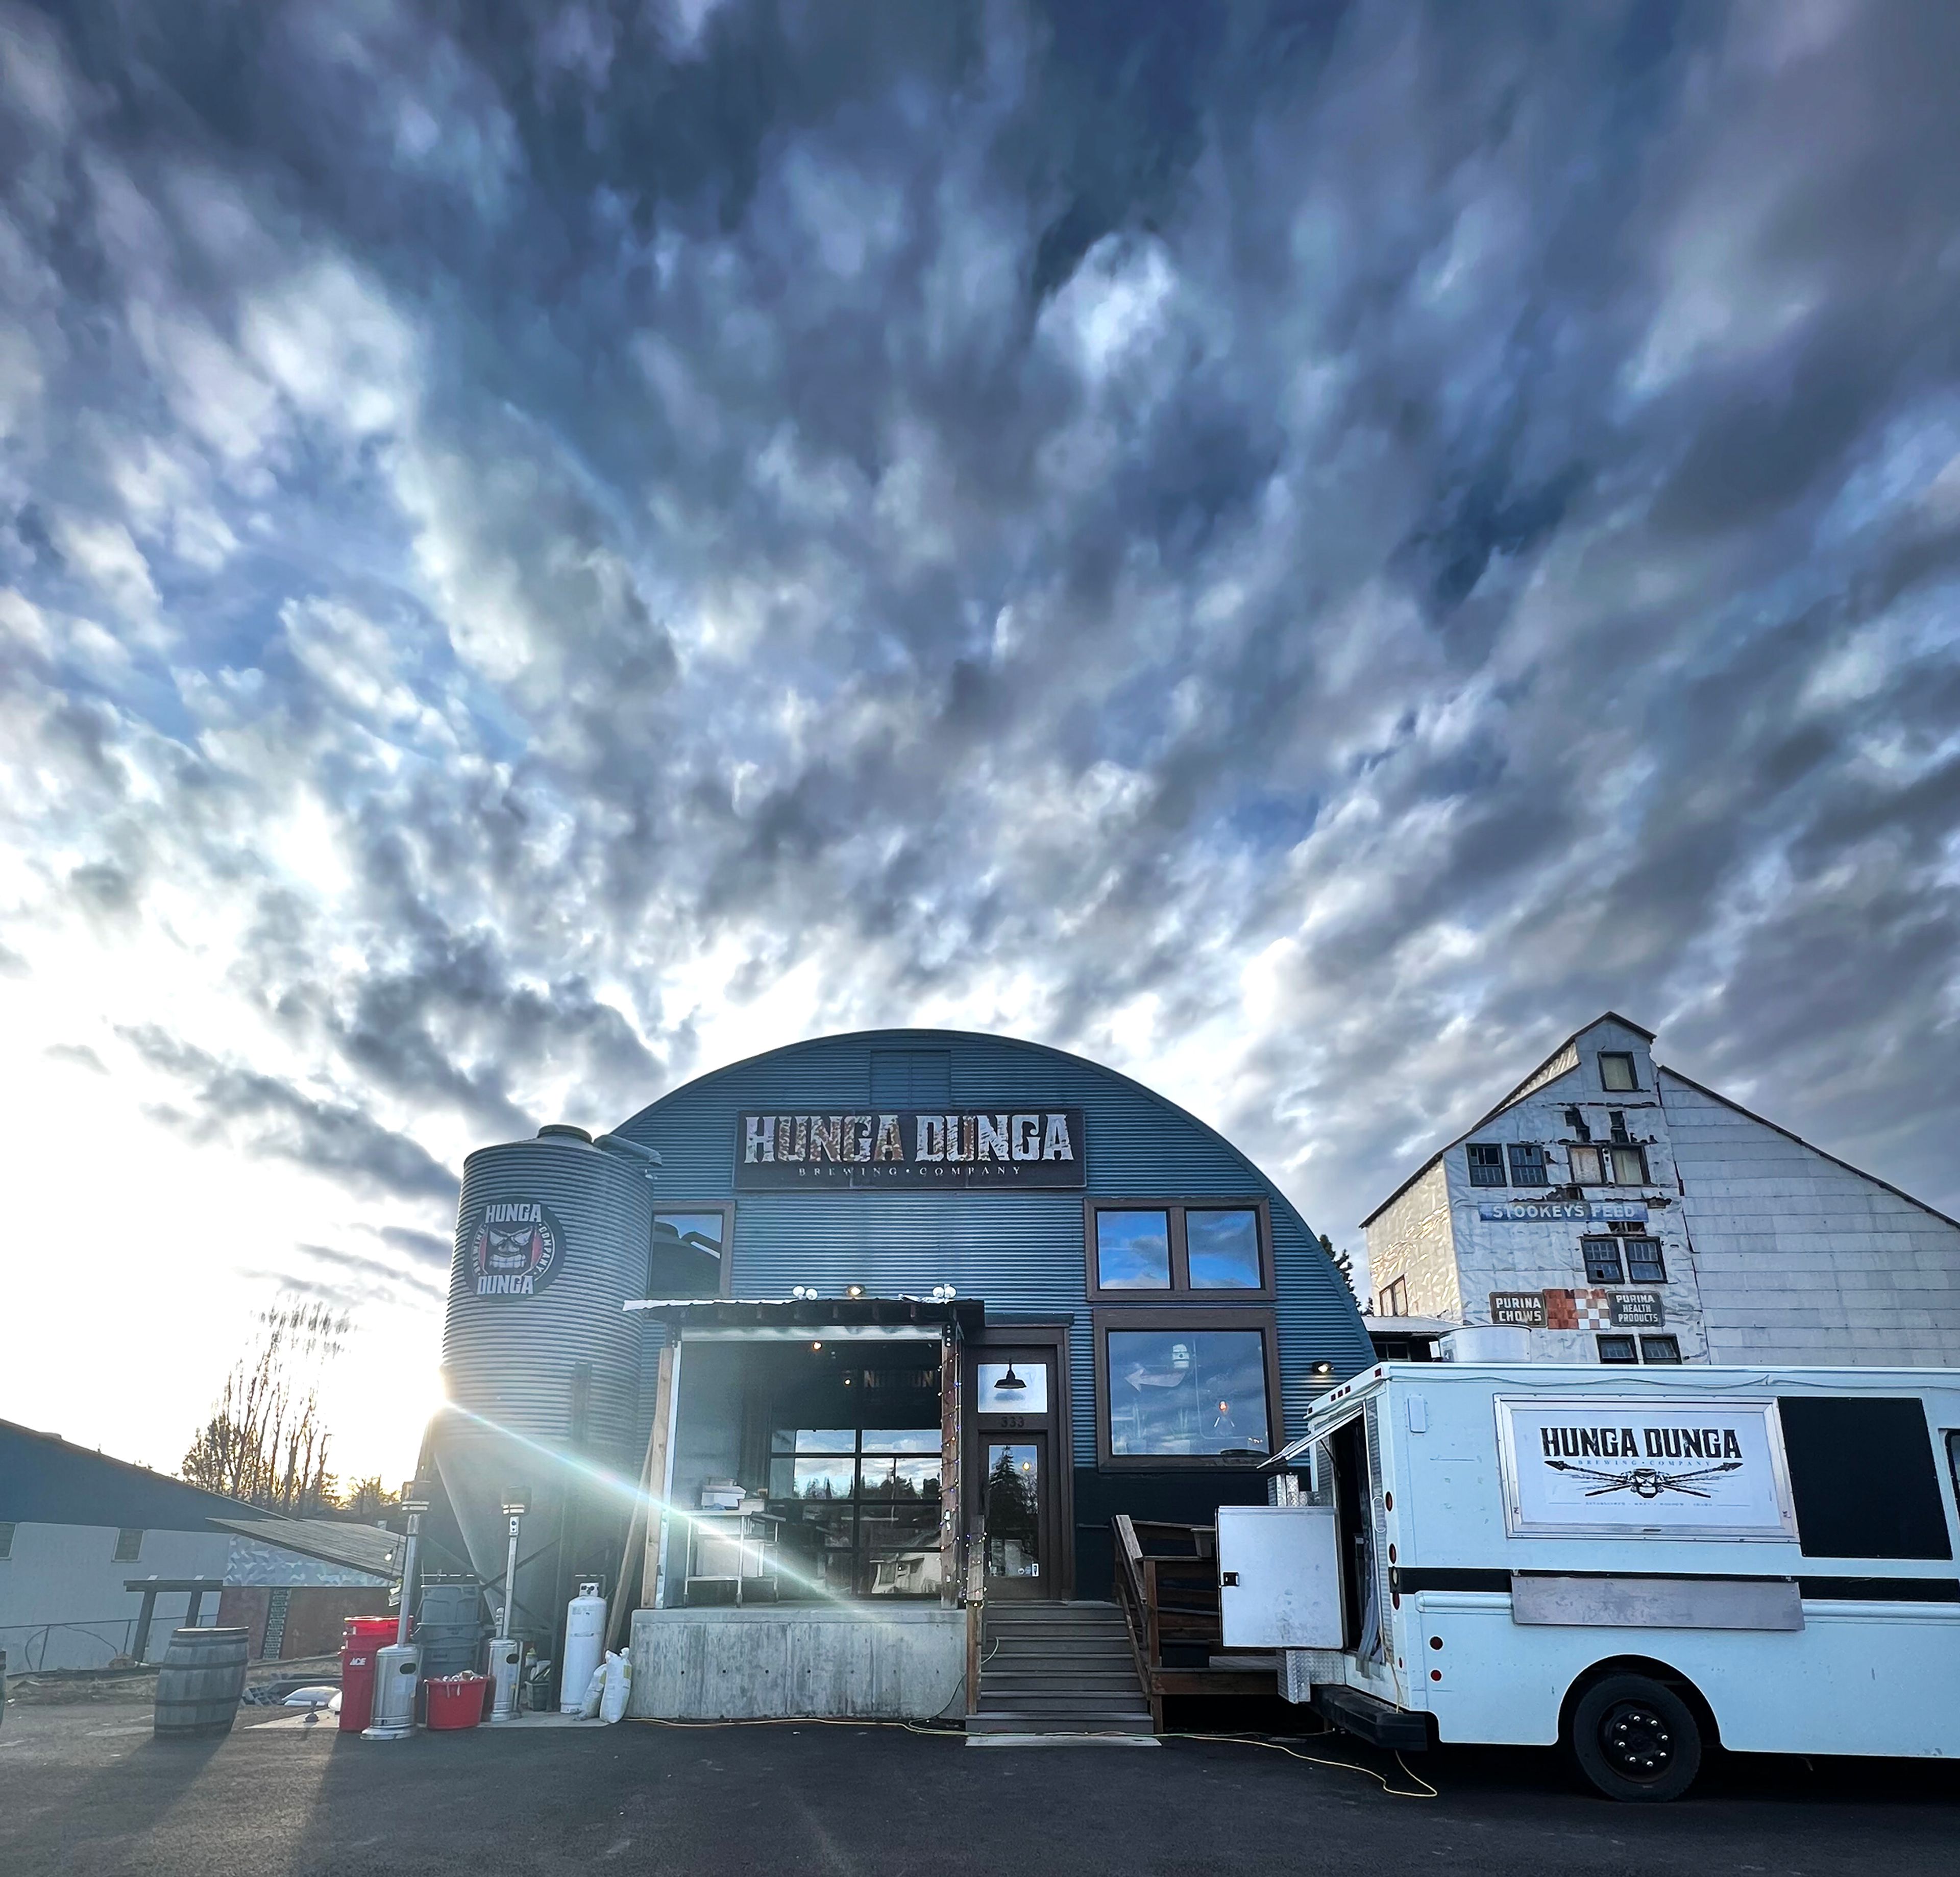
1050, 1339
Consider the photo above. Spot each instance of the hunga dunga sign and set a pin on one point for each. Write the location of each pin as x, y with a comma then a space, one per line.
1008, 1150
516, 1248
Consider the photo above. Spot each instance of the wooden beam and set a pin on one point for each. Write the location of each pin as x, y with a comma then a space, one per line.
951, 1588
653, 1476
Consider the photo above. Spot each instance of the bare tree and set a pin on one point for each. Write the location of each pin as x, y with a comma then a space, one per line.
368, 1500
265, 1443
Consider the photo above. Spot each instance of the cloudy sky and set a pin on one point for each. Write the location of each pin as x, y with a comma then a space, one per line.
1301, 551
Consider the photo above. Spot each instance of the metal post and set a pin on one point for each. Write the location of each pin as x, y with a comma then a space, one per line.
144, 1618
408, 1575
511, 1576
193, 1609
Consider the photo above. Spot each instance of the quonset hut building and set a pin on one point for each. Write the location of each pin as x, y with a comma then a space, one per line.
821, 1347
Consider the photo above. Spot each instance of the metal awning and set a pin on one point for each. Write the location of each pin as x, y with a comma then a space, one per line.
764, 1319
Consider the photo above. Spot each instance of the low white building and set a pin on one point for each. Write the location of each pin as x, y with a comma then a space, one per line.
1615, 1210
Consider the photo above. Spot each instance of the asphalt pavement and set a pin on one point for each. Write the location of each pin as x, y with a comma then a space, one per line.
89, 1790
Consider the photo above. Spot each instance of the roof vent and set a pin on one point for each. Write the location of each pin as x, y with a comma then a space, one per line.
563, 1131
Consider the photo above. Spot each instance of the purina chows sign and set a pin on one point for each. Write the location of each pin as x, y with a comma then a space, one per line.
1003, 1149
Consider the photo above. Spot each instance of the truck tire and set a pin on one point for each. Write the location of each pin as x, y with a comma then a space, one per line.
1635, 1738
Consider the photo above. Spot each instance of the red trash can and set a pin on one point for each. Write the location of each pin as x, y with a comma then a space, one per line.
456, 1700
360, 1636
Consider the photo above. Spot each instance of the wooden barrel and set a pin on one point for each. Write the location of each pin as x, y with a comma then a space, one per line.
200, 1681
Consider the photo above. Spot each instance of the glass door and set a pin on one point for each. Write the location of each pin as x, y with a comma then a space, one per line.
1014, 1452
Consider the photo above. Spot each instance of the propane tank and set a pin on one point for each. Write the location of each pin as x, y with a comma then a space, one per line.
584, 1643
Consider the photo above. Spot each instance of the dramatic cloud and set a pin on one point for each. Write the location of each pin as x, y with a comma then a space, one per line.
1302, 550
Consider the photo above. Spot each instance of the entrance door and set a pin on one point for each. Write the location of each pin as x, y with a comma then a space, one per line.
1018, 1497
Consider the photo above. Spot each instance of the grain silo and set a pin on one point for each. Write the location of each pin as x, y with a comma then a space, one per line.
540, 1362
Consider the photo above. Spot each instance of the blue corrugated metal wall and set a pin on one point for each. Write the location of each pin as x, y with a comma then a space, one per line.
1020, 1252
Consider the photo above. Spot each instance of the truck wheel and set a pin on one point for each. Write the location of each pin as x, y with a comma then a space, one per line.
1635, 1738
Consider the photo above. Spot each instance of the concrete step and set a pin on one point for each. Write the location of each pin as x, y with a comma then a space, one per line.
1085, 1723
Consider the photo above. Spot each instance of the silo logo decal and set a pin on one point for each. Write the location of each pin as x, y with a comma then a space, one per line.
516, 1249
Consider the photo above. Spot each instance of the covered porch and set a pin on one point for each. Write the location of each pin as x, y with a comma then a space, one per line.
802, 1544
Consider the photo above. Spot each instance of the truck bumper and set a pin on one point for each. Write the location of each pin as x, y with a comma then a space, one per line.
1374, 1721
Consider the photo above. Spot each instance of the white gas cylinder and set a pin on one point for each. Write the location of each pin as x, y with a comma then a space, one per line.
584, 1644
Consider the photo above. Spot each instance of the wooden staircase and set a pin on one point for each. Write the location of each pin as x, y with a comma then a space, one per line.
1058, 1669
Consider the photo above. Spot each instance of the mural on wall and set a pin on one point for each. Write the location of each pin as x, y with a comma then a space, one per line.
968, 1149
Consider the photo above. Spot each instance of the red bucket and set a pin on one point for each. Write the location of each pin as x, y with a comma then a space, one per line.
456, 1700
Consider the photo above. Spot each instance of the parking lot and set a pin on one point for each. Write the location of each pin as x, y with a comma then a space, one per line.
88, 1790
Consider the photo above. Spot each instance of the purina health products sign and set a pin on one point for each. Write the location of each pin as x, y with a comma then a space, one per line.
1683, 1470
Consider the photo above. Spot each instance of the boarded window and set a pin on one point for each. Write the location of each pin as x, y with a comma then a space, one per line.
129, 1546
912, 1078
1487, 1166
1863, 1477
1586, 1168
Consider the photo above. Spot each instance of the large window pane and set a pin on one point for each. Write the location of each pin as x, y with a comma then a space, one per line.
822, 1479
1224, 1250
883, 1478
901, 1440
1013, 1509
1187, 1391
1133, 1251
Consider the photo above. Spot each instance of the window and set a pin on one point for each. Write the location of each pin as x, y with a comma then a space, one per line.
1952, 1466
1394, 1298
1616, 1072
1587, 1168
1644, 1264
1026, 1393
1617, 1349
129, 1546
1660, 1349
6, 1537
1626, 1166
1603, 1261
1863, 1477
1204, 1248
1183, 1388
1487, 1166
1528, 1165
690, 1254
862, 1506
1133, 1251
1222, 1248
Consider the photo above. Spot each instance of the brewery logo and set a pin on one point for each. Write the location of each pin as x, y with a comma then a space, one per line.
968, 1150
516, 1250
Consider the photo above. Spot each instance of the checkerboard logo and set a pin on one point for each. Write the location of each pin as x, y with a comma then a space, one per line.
1579, 1309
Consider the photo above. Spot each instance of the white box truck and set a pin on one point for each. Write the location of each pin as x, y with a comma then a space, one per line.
1631, 1563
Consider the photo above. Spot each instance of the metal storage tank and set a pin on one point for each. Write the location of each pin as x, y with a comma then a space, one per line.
540, 1362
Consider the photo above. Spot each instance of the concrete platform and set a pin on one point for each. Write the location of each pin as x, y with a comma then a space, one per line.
785, 1662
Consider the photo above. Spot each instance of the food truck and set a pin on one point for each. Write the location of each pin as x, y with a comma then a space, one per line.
1635, 1565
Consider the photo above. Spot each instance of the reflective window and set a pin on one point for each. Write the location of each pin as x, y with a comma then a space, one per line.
1629, 1166
688, 1247
1223, 1248
1007, 1388
1013, 1509
1187, 1391
1133, 1251
901, 1440
821, 1479
884, 1476
1617, 1349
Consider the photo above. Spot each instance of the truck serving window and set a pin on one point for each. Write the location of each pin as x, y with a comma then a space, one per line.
1863, 1477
